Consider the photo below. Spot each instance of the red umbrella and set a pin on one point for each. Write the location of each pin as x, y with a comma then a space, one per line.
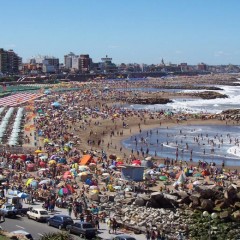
70, 188
137, 162
42, 164
23, 157
119, 163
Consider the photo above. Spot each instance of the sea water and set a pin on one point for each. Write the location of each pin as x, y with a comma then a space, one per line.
218, 143
199, 105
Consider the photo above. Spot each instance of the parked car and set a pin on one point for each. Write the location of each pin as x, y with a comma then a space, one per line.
60, 221
38, 214
124, 237
23, 233
83, 229
8, 210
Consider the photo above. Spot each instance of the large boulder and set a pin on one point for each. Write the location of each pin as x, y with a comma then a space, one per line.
195, 201
224, 215
236, 215
231, 194
207, 204
140, 202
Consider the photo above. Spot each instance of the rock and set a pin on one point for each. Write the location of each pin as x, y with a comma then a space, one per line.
209, 95
237, 205
230, 194
140, 202
148, 100
224, 215
207, 204
236, 215
195, 201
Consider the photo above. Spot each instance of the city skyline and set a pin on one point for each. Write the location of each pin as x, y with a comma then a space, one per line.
128, 31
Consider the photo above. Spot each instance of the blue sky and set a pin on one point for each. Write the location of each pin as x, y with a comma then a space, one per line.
141, 31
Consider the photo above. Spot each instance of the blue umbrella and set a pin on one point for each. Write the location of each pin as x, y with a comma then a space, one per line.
56, 104
47, 92
161, 166
22, 195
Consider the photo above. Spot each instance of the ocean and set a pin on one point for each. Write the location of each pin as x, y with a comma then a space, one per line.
203, 143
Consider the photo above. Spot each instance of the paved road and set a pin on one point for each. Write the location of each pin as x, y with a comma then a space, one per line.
37, 229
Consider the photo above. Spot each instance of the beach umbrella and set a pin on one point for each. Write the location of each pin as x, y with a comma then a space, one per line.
42, 164
83, 168
196, 183
197, 175
44, 157
74, 166
106, 174
82, 174
161, 165
56, 104
95, 191
93, 187
22, 195
46, 140
137, 162
29, 181
63, 191
53, 156
70, 188
112, 167
52, 162
38, 151
45, 181
117, 187
119, 163
34, 183
163, 178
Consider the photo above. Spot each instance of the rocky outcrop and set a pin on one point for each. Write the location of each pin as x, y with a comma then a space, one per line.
209, 95
148, 100
188, 87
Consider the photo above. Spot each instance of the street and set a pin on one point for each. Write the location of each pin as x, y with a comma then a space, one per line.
37, 229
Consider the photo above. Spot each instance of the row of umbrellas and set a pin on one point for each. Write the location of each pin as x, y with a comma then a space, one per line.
16, 128
5, 121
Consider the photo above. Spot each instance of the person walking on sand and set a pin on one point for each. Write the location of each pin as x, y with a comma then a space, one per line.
70, 209
109, 224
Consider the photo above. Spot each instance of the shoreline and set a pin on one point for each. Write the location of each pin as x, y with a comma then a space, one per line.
115, 142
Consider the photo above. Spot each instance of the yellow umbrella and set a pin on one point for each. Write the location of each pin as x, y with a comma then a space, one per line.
38, 151
83, 174
46, 140
29, 181
75, 165
52, 162
95, 191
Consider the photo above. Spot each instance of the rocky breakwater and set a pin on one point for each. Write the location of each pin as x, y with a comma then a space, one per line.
233, 114
180, 211
208, 95
148, 100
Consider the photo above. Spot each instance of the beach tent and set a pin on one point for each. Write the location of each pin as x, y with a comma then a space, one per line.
182, 178
85, 159
132, 173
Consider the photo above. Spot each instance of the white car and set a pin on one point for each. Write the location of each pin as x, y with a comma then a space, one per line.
38, 214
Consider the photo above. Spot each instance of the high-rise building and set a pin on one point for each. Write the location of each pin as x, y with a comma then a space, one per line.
47, 63
9, 62
84, 63
69, 59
